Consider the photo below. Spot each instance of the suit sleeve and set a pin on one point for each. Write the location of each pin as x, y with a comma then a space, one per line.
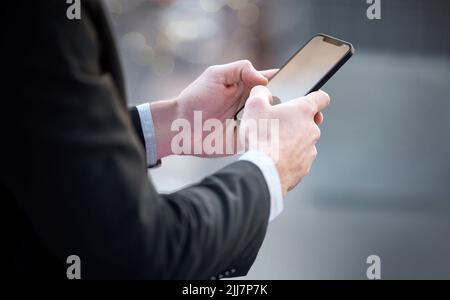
83, 182
137, 126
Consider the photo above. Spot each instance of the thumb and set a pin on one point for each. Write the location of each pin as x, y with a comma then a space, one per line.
269, 73
259, 96
242, 71
251, 77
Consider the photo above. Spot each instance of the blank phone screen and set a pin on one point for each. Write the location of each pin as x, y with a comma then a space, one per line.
301, 74
306, 69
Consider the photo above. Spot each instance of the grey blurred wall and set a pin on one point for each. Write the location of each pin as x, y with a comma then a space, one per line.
381, 183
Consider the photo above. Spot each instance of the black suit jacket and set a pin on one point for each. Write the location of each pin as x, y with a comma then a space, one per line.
73, 176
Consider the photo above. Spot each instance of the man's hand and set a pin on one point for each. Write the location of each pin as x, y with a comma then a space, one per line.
218, 93
298, 131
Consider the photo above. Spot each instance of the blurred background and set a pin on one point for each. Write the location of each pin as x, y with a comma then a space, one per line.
381, 183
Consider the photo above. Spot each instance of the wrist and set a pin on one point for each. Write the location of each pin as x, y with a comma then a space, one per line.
163, 114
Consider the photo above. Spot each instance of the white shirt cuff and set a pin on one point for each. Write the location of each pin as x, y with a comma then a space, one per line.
270, 173
148, 130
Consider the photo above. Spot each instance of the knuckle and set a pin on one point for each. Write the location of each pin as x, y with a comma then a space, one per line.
307, 106
326, 96
317, 132
308, 169
246, 63
211, 69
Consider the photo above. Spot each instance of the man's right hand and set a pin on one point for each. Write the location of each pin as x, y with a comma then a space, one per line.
298, 131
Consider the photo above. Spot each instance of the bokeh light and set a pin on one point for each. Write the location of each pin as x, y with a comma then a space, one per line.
248, 14
211, 5
237, 4
163, 65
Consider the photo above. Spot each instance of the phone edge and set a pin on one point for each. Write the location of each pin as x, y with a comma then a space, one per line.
327, 76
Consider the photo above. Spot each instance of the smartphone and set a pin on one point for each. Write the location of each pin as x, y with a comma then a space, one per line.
308, 69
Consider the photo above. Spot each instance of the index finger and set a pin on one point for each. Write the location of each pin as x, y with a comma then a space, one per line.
261, 93
269, 73
244, 71
319, 100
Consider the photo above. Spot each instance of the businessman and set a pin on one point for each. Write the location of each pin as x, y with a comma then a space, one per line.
74, 159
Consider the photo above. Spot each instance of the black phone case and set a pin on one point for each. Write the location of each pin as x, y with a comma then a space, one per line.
336, 67
327, 76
